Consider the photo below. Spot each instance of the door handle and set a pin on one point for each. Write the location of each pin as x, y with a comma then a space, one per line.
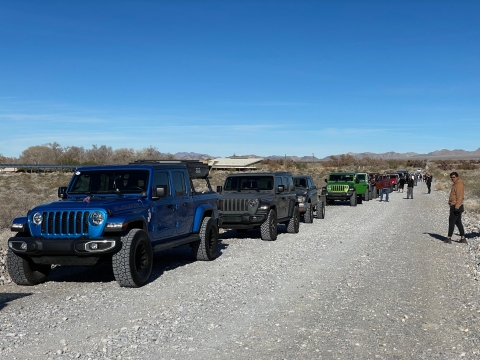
171, 207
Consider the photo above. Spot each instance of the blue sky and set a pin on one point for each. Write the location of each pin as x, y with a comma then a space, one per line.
241, 77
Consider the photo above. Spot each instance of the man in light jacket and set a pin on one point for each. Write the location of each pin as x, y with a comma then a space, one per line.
455, 201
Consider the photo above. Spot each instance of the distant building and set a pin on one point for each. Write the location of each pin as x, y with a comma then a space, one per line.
235, 163
8, 169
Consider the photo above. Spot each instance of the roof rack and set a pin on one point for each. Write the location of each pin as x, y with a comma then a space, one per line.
196, 169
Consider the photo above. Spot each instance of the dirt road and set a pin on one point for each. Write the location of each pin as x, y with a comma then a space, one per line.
373, 281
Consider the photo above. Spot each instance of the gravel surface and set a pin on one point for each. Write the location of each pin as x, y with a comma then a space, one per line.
368, 282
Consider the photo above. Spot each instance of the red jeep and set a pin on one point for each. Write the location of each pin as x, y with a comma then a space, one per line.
395, 181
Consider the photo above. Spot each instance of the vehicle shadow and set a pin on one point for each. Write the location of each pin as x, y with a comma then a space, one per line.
163, 261
250, 234
5, 298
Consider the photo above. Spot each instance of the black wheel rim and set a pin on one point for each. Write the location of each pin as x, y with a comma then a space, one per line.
273, 225
141, 258
212, 238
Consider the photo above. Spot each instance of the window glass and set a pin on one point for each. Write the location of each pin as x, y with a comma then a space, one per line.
179, 183
290, 183
161, 179
278, 181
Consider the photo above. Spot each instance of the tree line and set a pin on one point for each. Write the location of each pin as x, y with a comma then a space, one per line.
54, 153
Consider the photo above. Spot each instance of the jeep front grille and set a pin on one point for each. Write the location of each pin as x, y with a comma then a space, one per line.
65, 223
239, 206
338, 188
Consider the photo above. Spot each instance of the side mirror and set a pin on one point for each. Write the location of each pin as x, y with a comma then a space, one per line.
280, 188
62, 192
357, 181
326, 180
219, 189
160, 191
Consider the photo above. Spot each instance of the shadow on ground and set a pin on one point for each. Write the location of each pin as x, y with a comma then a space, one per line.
163, 261
436, 236
6, 298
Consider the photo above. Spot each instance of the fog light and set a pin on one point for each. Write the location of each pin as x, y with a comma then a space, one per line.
93, 246
23, 246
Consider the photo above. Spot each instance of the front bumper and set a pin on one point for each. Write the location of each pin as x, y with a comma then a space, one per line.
63, 248
240, 221
339, 195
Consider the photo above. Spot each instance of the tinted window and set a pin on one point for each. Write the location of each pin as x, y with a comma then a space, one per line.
105, 181
179, 183
161, 179
238, 183
290, 184
300, 182
341, 177
361, 177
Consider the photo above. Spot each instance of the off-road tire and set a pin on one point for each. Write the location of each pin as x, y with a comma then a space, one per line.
321, 210
367, 196
207, 247
308, 216
23, 271
132, 264
293, 226
353, 199
268, 230
359, 199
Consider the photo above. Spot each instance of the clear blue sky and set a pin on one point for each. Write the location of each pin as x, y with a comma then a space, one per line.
243, 77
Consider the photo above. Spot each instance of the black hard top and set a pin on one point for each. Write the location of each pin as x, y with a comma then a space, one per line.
196, 169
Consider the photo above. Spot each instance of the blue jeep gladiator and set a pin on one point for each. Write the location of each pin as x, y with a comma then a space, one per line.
121, 214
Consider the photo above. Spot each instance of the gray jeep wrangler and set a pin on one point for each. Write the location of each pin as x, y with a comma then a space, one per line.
309, 201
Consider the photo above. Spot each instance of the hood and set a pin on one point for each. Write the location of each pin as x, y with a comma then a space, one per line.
112, 204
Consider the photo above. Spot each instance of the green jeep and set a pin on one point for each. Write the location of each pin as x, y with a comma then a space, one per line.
345, 186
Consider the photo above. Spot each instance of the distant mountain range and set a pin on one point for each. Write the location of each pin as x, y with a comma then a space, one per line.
444, 154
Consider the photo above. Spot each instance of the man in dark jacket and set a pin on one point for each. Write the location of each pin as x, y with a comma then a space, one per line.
410, 184
429, 182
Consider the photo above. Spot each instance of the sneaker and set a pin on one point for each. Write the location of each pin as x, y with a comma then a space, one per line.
447, 241
463, 241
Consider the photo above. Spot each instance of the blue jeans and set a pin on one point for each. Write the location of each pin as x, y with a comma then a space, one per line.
386, 192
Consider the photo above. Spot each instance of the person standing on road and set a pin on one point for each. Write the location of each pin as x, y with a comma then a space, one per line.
385, 187
402, 184
429, 182
455, 201
410, 184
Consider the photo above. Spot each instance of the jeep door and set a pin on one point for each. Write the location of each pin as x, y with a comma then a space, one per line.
312, 189
163, 217
361, 186
280, 198
183, 202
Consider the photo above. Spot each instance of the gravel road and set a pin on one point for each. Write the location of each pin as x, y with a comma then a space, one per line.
368, 282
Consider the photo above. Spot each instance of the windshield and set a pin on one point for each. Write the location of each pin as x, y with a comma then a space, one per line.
109, 181
341, 177
300, 182
238, 183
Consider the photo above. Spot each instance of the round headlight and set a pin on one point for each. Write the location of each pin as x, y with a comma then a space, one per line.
301, 199
37, 218
97, 218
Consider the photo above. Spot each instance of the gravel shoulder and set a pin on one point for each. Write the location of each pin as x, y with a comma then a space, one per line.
368, 282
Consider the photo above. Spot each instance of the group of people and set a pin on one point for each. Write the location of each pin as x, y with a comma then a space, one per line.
455, 200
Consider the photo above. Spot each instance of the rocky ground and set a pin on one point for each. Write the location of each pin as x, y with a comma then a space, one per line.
368, 282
